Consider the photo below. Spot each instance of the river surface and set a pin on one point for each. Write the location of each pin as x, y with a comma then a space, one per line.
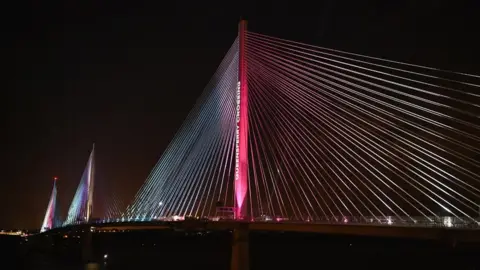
203, 250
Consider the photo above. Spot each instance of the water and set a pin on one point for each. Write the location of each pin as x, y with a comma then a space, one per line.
180, 250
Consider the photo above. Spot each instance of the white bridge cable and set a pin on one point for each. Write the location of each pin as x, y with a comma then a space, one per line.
206, 149
292, 58
169, 196
173, 149
281, 77
312, 60
334, 125
157, 177
301, 138
404, 65
312, 72
305, 162
159, 194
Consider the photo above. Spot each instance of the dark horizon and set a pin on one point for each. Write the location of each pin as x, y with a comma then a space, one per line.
124, 77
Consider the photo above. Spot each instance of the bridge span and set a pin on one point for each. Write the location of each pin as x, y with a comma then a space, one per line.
367, 230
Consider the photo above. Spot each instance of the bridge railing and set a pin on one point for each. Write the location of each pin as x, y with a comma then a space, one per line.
446, 222
434, 222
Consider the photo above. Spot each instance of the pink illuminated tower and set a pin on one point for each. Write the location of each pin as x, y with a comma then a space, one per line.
241, 132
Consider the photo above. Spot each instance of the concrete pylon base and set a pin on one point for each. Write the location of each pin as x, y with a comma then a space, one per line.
92, 266
240, 256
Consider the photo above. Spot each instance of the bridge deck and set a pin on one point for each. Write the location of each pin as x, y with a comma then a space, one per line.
428, 233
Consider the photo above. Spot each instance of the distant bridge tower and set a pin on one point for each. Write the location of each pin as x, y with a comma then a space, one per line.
81, 208
241, 132
49, 222
91, 183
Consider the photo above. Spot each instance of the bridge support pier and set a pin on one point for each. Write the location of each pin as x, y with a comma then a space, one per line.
240, 254
87, 250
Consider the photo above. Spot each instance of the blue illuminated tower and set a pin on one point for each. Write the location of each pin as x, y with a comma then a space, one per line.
81, 208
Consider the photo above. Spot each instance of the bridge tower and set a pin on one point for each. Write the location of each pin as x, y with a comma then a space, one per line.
240, 258
241, 132
82, 204
91, 182
50, 220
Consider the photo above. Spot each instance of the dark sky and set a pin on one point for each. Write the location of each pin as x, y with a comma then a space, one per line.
125, 76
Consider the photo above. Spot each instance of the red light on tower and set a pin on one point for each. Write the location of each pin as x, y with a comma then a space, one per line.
55, 178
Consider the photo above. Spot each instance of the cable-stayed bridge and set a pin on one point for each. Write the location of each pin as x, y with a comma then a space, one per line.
292, 133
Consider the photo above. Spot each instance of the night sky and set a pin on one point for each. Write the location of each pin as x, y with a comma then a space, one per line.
124, 76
